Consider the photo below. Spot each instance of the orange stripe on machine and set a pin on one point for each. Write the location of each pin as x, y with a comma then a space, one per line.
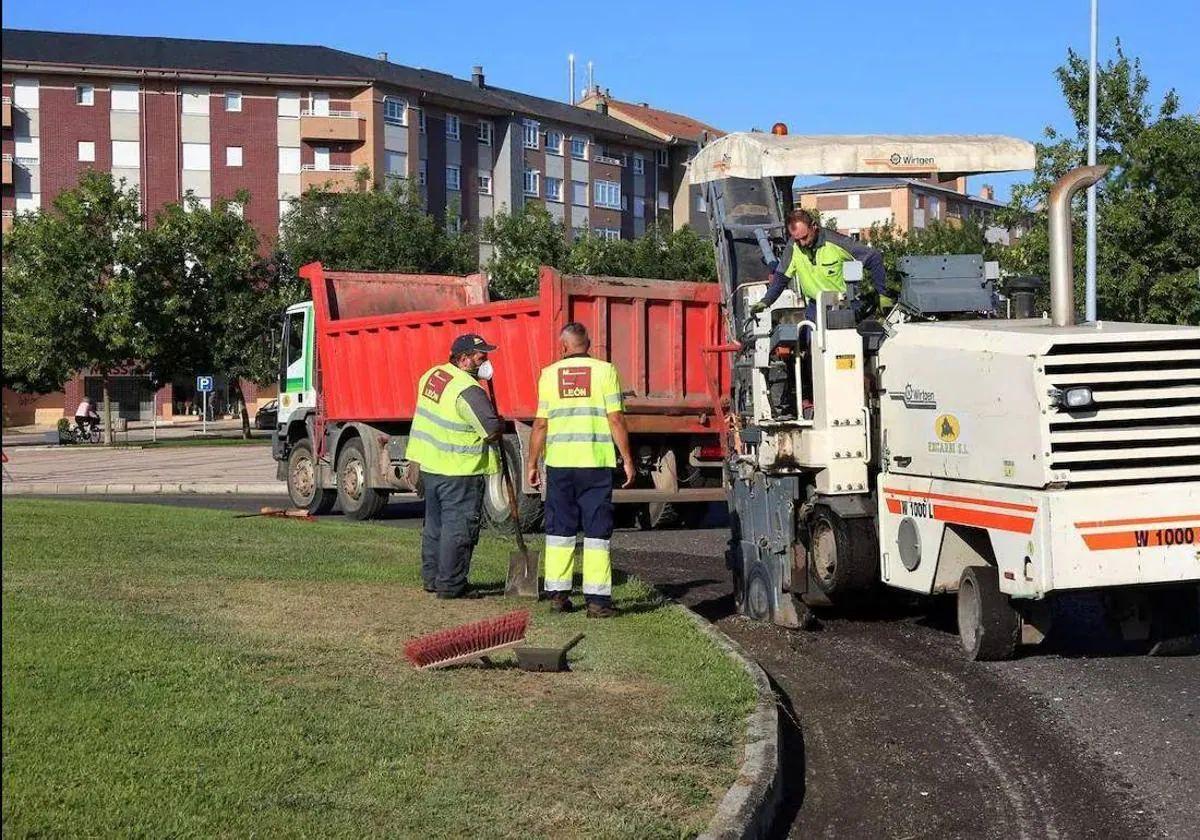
994, 514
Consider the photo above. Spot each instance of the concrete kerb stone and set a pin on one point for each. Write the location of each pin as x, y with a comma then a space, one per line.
748, 808
41, 488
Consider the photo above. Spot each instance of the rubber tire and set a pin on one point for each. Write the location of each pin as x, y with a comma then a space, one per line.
988, 626
856, 566
530, 506
322, 500
370, 500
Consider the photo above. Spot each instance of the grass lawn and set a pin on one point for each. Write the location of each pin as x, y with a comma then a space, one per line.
200, 675
260, 439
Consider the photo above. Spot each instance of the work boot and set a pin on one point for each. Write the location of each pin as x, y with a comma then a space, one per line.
596, 609
560, 602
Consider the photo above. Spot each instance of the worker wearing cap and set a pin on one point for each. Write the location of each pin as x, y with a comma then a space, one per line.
453, 428
579, 419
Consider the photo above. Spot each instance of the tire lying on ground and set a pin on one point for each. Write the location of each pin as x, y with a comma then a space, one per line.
357, 500
301, 481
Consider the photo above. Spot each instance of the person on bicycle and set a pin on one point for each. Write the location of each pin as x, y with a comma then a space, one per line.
86, 417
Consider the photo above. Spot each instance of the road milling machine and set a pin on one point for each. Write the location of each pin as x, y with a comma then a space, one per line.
950, 449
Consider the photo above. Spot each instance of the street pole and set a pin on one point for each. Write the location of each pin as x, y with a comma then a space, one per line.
154, 419
1090, 277
204, 414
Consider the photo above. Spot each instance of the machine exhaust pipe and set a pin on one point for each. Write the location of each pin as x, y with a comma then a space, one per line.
1062, 253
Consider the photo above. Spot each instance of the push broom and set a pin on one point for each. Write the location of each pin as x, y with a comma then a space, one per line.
469, 642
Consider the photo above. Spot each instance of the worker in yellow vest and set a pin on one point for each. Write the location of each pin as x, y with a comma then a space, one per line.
451, 444
579, 419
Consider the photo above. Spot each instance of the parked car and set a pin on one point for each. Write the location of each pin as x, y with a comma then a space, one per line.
267, 417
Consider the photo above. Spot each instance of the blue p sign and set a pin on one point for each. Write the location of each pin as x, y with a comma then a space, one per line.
204, 383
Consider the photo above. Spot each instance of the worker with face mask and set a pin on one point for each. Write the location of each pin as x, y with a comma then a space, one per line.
451, 445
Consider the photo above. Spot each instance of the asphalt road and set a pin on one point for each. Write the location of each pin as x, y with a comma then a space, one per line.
890, 733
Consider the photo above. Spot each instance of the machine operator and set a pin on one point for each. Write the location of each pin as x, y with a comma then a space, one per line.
579, 418
453, 428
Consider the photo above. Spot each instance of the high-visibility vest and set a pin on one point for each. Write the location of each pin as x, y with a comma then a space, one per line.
575, 396
823, 273
440, 440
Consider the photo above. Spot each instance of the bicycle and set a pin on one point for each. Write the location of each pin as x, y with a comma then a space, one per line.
79, 434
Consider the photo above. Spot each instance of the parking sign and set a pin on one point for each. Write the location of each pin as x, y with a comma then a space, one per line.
204, 384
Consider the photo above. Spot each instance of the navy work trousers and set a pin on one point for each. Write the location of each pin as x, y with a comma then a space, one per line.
453, 511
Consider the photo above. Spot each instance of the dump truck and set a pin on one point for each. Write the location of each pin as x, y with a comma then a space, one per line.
950, 450
352, 356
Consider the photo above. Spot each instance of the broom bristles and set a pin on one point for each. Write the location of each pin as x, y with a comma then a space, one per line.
467, 638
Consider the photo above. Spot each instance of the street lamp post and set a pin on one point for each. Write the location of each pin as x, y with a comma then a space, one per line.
1090, 276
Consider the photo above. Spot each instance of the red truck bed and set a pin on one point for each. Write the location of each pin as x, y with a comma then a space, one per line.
653, 330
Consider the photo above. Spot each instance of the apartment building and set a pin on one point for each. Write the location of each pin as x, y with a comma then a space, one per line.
855, 204
678, 202
207, 119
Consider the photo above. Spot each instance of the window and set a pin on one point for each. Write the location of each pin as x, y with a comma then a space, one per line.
233, 100
639, 208
554, 189
195, 100
853, 202
318, 103
579, 193
28, 202
195, 156
934, 203
579, 148
611, 234
639, 165
608, 194
395, 111
289, 160
453, 178
321, 160
191, 201
485, 184
25, 93
701, 204
126, 154
233, 155
484, 131
421, 120
395, 164
532, 182
285, 207
295, 345
289, 104
27, 148
452, 127
85, 94
554, 142
531, 134
124, 97
578, 233
423, 173
663, 159
664, 200
87, 150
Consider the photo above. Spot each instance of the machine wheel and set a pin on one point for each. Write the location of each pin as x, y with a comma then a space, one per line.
495, 497
843, 557
757, 598
665, 476
357, 500
988, 626
303, 491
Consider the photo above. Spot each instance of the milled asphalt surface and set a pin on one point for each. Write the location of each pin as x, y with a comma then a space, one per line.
890, 733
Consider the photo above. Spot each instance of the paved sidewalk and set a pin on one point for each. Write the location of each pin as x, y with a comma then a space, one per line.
192, 469
138, 432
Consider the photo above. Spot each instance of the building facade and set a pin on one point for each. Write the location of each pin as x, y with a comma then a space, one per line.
855, 204
180, 118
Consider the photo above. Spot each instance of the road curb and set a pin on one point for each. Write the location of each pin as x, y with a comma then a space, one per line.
39, 488
748, 808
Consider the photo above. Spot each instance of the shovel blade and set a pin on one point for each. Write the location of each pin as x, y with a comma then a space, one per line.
522, 575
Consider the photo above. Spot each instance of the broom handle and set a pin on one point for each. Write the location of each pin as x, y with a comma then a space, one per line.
514, 511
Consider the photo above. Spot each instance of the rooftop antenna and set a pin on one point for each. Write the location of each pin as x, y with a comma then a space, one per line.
571, 78
591, 80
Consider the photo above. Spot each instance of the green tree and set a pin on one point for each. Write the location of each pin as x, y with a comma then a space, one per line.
65, 276
380, 229
1148, 231
521, 242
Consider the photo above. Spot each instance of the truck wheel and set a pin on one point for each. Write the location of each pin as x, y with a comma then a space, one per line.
495, 496
988, 626
357, 500
843, 555
303, 491
665, 476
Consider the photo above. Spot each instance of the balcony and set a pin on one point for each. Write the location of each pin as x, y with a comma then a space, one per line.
611, 161
8, 173
342, 126
7, 112
8, 220
337, 178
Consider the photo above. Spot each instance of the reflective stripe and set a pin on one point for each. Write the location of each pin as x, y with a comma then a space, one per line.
556, 585
442, 421
578, 411
578, 437
595, 544
596, 588
553, 541
613, 399
473, 449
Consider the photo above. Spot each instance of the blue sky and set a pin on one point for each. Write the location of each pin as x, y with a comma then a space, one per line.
913, 67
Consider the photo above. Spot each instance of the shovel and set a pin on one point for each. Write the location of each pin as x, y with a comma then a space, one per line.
522, 565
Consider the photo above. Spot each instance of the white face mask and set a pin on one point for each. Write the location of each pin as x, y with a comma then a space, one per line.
485, 370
